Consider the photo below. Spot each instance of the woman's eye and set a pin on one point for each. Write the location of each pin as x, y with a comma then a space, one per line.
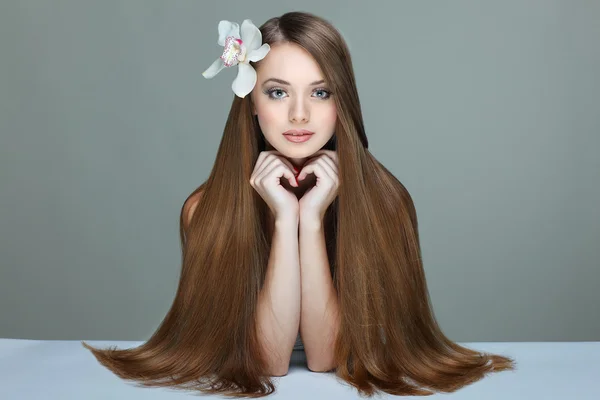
326, 96
275, 91
275, 94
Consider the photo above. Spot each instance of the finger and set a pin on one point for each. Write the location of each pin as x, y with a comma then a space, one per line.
328, 167
320, 168
330, 162
276, 171
269, 158
287, 162
314, 168
275, 155
306, 167
258, 166
312, 158
324, 157
330, 153
259, 161
272, 160
334, 157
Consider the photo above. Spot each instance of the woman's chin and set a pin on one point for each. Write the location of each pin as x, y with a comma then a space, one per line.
298, 150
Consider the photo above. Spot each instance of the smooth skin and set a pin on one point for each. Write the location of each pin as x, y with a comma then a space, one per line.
298, 295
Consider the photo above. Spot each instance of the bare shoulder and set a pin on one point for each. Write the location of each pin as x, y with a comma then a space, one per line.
189, 207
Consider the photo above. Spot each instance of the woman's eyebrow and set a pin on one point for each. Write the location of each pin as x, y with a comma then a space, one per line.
281, 81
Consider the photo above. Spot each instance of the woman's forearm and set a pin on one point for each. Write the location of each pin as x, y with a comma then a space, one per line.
319, 301
279, 301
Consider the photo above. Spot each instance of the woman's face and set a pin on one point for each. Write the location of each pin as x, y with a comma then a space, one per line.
290, 94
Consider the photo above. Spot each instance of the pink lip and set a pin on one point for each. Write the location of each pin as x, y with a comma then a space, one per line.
298, 132
298, 138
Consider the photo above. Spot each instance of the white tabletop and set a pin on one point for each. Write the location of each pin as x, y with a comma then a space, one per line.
64, 370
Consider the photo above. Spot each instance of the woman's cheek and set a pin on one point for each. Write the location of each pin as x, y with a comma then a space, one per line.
269, 119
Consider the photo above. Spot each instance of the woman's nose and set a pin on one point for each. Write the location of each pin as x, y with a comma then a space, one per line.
299, 119
299, 112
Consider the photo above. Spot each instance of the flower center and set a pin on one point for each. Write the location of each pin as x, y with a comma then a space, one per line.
234, 51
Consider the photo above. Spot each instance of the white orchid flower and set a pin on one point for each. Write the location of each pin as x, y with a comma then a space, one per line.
239, 51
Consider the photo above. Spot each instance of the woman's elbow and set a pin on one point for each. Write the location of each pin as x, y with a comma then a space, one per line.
279, 371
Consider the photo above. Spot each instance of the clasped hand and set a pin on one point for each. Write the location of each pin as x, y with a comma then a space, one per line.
271, 166
314, 202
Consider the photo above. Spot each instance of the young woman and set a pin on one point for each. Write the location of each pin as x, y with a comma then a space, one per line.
298, 236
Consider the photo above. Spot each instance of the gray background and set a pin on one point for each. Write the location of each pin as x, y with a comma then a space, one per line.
488, 113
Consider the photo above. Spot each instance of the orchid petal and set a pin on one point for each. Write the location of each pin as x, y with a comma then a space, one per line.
227, 28
259, 54
214, 68
244, 81
251, 35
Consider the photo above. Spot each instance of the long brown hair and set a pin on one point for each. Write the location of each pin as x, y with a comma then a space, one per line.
389, 338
